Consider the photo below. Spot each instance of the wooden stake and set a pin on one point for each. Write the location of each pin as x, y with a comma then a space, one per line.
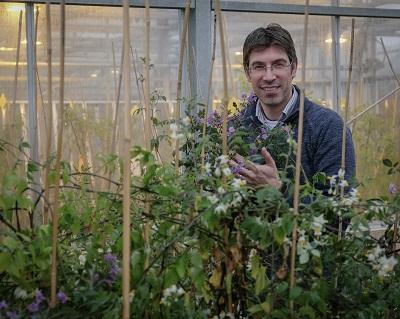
373, 105
126, 253
177, 114
298, 160
208, 95
49, 118
225, 99
53, 300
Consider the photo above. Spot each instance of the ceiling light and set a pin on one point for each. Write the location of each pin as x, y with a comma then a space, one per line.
238, 53
7, 49
341, 40
25, 42
16, 7
93, 75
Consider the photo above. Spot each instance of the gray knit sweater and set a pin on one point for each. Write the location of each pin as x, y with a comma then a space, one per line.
322, 139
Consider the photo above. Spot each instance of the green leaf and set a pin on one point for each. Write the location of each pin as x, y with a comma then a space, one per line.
279, 235
171, 278
387, 162
255, 309
261, 280
181, 266
304, 257
5, 261
295, 292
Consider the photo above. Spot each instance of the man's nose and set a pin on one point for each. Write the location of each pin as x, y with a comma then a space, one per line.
268, 75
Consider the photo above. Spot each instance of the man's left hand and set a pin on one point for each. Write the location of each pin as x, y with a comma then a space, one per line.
255, 174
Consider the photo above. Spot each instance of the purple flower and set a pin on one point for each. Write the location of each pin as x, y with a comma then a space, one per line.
392, 188
3, 304
62, 297
244, 95
231, 130
114, 272
253, 151
12, 314
252, 98
237, 169
33, 307
39, 297
110, 258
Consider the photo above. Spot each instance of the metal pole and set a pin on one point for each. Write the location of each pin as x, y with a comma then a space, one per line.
336, 60
32, 103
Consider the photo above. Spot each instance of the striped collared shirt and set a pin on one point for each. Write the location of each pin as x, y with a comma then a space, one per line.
288, 108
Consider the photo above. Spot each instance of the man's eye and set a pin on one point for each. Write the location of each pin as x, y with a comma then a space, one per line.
258, 67
278, 65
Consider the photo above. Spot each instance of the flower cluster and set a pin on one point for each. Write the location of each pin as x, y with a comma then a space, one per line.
34, 306
318, 224
381, 262
113, 270
171, 294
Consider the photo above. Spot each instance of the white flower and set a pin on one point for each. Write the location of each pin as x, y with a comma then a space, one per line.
341, 174
237, 183
174, 132
227, 171
213, 199
302, 241
221, 208
207, 168
82, 259
343, 183
221, 190
386, 265
217, 172
317, 224
223, 159
375, 253
186, 120
20, 293
236, 200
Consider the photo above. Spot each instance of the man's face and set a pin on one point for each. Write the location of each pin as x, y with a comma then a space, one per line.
272, 86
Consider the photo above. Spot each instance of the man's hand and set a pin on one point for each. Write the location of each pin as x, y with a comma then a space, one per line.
255, 174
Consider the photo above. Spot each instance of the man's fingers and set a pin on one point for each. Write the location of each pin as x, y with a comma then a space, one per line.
240, 160
268, 158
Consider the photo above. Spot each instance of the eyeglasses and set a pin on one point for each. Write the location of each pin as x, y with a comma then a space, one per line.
261, 69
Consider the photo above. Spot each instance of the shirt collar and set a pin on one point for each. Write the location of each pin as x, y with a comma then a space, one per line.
286, 111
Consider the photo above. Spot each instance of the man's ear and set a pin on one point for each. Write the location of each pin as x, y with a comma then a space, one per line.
294, 69
246, 71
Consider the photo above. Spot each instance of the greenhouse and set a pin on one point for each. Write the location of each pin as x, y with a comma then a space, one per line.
200, 159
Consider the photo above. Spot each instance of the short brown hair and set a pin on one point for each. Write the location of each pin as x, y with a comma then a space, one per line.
264, 38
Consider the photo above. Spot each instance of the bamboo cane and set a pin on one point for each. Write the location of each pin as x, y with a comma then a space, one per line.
346, 115
177, 114
126, 171
15, 86
53, 300
298, 159
49, 118
225, 99
147, 125
208, 94
373, 105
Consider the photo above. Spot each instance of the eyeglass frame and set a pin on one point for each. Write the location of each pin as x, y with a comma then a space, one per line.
274, 69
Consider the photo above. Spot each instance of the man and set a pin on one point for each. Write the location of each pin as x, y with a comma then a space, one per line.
270, 64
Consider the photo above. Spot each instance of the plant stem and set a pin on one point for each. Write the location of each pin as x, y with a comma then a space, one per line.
53, 300
298, 160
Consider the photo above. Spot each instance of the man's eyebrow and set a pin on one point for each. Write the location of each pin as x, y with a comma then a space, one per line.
274, 61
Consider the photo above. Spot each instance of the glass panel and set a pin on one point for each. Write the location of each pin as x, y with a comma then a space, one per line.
376, 132
92, 75
13, 121
299, 2
379, 4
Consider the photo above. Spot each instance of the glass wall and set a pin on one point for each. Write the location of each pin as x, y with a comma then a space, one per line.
93, 72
